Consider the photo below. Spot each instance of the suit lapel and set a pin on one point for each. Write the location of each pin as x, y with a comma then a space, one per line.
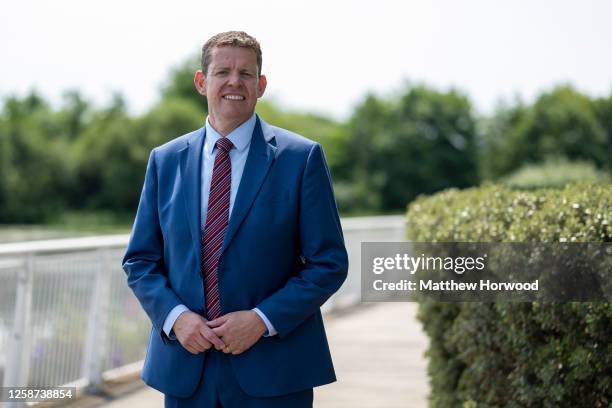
191, 165
260, 158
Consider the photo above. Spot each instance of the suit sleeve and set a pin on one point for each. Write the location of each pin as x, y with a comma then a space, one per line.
143, 261
321, 247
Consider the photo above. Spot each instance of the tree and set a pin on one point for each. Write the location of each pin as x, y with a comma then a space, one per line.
603, 111
495, 151
112, 154
421, 142
360, 176
562, 123
180, 84
74, 115
35, 173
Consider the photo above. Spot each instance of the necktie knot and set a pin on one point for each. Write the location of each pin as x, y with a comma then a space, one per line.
224, 144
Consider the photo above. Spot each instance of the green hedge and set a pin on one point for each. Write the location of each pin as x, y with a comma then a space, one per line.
517, 354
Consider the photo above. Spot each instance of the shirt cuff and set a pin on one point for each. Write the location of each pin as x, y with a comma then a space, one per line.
171, 318
271, 330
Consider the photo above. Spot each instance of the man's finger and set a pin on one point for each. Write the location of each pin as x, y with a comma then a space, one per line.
211, 336
219, 331
191, 350
202, 342
217, 322
197, 347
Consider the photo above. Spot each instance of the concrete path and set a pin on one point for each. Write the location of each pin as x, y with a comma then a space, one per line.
378, 354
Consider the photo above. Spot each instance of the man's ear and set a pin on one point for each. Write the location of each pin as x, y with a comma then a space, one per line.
261, 87
199, 80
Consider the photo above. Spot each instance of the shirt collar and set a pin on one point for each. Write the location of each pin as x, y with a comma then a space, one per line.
240, 137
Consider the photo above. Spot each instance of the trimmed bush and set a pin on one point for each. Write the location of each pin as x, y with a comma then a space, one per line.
517, 354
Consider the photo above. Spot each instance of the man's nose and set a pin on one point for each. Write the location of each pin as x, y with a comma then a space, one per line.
234, 79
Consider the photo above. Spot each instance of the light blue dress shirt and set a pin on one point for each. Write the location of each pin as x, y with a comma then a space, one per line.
241, 138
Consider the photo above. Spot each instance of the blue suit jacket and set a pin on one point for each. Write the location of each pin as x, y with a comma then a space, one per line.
283, 253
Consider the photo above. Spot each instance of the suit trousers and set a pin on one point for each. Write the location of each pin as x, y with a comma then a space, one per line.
219, 388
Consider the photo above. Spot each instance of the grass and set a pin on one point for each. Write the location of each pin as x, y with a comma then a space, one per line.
69, 225
87, 223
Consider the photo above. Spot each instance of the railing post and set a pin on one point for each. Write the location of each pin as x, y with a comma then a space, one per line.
18, 356
96, 341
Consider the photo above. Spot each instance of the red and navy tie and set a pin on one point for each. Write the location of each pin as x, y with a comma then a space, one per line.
216, 223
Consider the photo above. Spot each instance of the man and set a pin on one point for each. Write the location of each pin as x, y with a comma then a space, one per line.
235, 246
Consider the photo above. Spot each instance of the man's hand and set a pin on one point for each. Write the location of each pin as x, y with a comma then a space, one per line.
192, 332
238, 330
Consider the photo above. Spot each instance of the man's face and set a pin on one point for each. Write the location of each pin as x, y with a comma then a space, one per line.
232, 86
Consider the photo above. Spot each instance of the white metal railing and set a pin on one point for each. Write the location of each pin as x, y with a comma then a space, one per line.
67, 315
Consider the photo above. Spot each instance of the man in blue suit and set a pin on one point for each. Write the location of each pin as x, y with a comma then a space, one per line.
236, 245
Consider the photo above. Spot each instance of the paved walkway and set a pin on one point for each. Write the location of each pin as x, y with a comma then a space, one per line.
378, 354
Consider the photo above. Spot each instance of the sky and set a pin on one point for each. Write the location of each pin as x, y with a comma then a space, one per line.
318, 56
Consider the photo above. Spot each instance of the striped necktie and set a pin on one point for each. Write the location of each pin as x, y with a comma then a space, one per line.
216, 223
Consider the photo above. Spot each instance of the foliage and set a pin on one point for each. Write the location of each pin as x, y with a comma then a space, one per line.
421, 142
35, 177
179, 84
82, 158
561, 123
554, 173
517, 354
111, 154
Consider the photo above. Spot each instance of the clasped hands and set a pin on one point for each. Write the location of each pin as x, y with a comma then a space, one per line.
232, 333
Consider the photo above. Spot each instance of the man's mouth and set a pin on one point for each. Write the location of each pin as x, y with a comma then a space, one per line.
234, 97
